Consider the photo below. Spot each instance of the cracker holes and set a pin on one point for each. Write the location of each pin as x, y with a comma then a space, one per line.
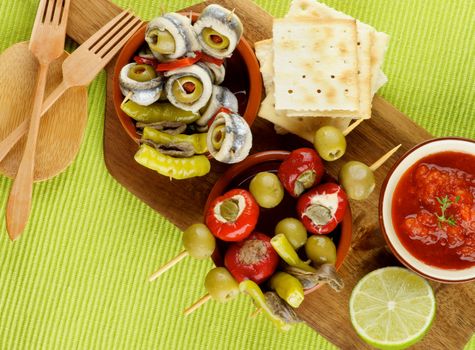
304, 76
332, 76
319, 91
290, 91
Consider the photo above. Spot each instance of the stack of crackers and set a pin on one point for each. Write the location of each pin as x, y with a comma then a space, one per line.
322, 67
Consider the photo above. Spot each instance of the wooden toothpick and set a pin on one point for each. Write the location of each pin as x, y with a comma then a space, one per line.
168, 265
205, 298
352, 126
126, 98
384, 158
230, 15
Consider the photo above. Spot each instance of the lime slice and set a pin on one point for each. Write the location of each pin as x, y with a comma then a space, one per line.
392, 308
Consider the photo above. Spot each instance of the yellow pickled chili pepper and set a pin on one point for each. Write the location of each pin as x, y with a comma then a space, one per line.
288, 288
197, 140
254, 291
158, 112
285, 250
176, 168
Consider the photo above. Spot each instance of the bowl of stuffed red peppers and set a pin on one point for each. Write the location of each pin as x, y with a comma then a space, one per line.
283, 228
187, 88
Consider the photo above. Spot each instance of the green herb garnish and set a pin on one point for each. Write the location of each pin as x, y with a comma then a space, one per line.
445, 203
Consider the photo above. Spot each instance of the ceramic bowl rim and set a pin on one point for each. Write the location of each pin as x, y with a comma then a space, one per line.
133, 44
390, 237
279, 155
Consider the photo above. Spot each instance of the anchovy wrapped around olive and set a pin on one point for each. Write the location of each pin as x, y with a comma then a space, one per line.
229, 138
189, 88
218, 71
219, 31
220, 97
171, 36
142, 81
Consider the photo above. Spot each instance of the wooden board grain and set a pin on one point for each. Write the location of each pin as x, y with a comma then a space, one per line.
182, 201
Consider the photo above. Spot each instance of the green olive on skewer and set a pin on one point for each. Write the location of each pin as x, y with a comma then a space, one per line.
215, 39
187, 89
330, 142
161, 41
357, 179
221, 285
199, 243
142, 73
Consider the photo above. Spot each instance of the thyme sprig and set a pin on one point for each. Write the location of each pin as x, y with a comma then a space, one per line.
445, 203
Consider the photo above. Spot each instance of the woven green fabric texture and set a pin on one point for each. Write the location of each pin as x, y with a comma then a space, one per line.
77, 279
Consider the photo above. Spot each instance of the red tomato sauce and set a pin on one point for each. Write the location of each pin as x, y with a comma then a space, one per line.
433, 210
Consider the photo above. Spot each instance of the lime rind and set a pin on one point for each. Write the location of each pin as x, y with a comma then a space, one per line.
396, 288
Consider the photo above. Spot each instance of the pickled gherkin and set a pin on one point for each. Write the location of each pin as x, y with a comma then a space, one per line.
176, 168
158, 112
198, 141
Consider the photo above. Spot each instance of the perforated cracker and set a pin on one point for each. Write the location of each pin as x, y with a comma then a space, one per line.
315, 65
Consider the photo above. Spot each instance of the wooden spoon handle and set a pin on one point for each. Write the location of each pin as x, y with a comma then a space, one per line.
7, 144
19, 201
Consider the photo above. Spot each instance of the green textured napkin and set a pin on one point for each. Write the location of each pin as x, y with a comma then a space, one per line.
77, 277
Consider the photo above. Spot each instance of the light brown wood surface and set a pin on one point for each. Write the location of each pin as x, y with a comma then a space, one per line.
62, 128
182, 201
46, 44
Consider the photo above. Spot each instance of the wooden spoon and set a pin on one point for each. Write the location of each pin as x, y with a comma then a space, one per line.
62, 127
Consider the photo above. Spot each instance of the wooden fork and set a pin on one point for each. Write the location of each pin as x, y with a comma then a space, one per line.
46, 44
80, 68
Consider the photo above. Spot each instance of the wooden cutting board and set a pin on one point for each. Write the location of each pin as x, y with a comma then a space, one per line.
182, 201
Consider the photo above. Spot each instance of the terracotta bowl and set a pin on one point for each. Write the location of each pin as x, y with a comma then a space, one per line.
239, 176
385, 209
242, 75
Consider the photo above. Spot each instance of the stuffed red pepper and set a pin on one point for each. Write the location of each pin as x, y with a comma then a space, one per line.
233, 216
302, 169
322, 208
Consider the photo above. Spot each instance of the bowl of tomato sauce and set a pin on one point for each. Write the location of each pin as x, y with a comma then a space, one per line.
427, 209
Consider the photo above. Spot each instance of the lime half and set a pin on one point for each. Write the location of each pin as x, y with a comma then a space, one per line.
392, 308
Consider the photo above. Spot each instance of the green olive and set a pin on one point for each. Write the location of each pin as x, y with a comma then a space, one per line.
187, 89
161, 41
294, 230
221, 285
267, 189
198, 241
357, 179
321, 250
218, 137
142, 73
214, 39
330, 143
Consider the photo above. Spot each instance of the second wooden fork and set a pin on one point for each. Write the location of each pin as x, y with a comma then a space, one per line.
46, 44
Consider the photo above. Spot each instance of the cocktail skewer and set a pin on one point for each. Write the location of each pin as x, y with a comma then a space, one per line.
198, 242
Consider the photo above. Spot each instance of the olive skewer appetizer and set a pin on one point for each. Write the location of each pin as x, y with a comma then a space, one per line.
358, 179
198, 243
330, 142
